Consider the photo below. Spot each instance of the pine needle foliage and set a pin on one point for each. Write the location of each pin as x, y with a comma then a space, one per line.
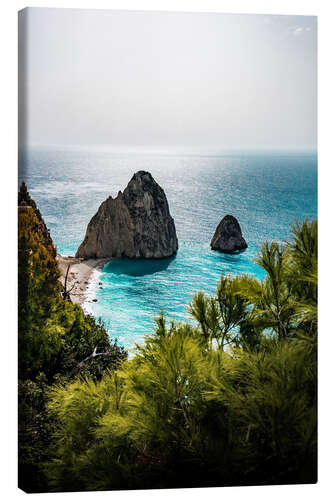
219, 316
303, 270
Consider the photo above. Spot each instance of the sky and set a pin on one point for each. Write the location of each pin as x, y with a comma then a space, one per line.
157, 80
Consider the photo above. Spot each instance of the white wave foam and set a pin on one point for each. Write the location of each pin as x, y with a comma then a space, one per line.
90, 292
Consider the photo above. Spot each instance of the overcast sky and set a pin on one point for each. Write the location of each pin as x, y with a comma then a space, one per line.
169, 80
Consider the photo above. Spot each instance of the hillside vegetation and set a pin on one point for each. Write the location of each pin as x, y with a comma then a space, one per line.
55, 338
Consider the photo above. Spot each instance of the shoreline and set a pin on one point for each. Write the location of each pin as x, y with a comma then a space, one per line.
80, 275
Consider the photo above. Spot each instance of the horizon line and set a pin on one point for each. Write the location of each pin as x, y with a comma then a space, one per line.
165, 150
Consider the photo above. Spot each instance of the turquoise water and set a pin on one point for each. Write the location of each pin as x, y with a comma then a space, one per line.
264, 191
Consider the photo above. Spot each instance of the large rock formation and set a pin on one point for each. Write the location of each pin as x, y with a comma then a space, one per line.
228, 236
135, 224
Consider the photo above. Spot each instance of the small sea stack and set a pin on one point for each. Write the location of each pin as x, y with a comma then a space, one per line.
228, 236
136, 224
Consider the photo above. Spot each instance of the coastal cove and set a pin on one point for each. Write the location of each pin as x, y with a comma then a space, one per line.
264, 191
81, 276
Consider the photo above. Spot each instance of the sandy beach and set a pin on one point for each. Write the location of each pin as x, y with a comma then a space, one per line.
79, 275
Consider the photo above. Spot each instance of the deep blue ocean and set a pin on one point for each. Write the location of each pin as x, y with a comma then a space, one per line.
264, 191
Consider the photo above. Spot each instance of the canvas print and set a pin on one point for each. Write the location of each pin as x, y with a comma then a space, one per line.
167, 250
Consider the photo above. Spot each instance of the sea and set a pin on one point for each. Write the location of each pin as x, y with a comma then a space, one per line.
265, 191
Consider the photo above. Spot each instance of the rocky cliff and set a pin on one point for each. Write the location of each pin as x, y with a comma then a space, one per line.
136, 224
228, 236
25, 204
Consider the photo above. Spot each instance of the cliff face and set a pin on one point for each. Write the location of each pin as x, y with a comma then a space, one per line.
228, 236
136, 224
